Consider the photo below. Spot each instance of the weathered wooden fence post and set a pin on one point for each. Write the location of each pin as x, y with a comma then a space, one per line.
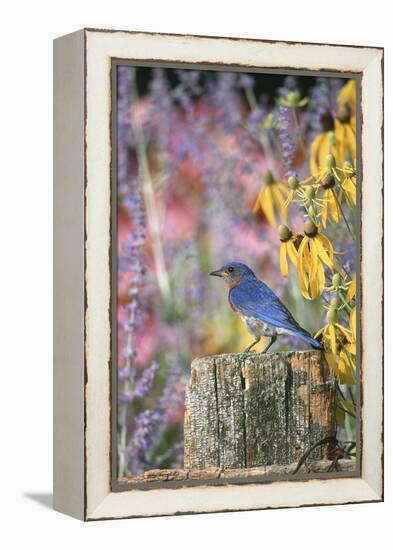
246, 410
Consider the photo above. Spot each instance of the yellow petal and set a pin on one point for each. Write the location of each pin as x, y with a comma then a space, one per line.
351, 348
283, 260
344, 331
347, 94
332, 335
279, 200
303, 279
351, 289
327, 244
257, 205
315, 149
292, 253
314, 259
321, 278
334, 211
322, 253
268, 206
344, 370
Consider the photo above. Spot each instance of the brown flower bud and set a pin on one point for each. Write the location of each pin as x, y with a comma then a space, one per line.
285, 233
310, 228
268, 177
328, 181
327, 122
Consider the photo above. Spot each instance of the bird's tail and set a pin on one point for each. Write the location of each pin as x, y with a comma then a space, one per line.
308, 338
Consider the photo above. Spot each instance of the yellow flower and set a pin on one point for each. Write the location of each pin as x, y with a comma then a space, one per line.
271, 199
337, 139
287, 249
314, 252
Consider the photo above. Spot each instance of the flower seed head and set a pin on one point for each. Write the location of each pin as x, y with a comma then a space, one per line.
293, 98
310, 228
327, 122
293, 183
310, 192
285, 233
328, 181
334, 303
269, 178
336, 280
312, 212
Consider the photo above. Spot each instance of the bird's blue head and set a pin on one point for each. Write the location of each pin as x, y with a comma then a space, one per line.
232, 273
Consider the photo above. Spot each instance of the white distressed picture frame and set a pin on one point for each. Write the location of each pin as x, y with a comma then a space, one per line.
82, 179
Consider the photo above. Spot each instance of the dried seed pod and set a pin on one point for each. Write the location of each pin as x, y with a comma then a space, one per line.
285, 233
310, 228
268, 177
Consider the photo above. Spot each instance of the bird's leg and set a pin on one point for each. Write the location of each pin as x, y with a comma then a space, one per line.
252, 345
273, 339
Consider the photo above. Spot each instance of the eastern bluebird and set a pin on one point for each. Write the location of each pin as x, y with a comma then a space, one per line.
259, 308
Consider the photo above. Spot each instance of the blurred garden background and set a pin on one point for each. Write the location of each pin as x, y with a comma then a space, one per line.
214, 167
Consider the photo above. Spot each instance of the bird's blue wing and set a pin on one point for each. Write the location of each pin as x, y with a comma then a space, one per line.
255, 299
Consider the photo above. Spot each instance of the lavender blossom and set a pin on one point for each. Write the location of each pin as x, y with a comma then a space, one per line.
283, 121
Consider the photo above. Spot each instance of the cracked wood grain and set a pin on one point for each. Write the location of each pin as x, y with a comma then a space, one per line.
252, 410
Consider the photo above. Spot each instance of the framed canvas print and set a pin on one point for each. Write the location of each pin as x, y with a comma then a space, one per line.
218, 274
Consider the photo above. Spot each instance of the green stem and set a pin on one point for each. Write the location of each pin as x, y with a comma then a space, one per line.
299, 132
263, 138
250, 96
347, 412
346, 306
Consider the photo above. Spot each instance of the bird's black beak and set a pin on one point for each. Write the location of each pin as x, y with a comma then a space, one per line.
217, 273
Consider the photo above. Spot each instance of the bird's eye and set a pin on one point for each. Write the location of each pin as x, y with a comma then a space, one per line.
230, 269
